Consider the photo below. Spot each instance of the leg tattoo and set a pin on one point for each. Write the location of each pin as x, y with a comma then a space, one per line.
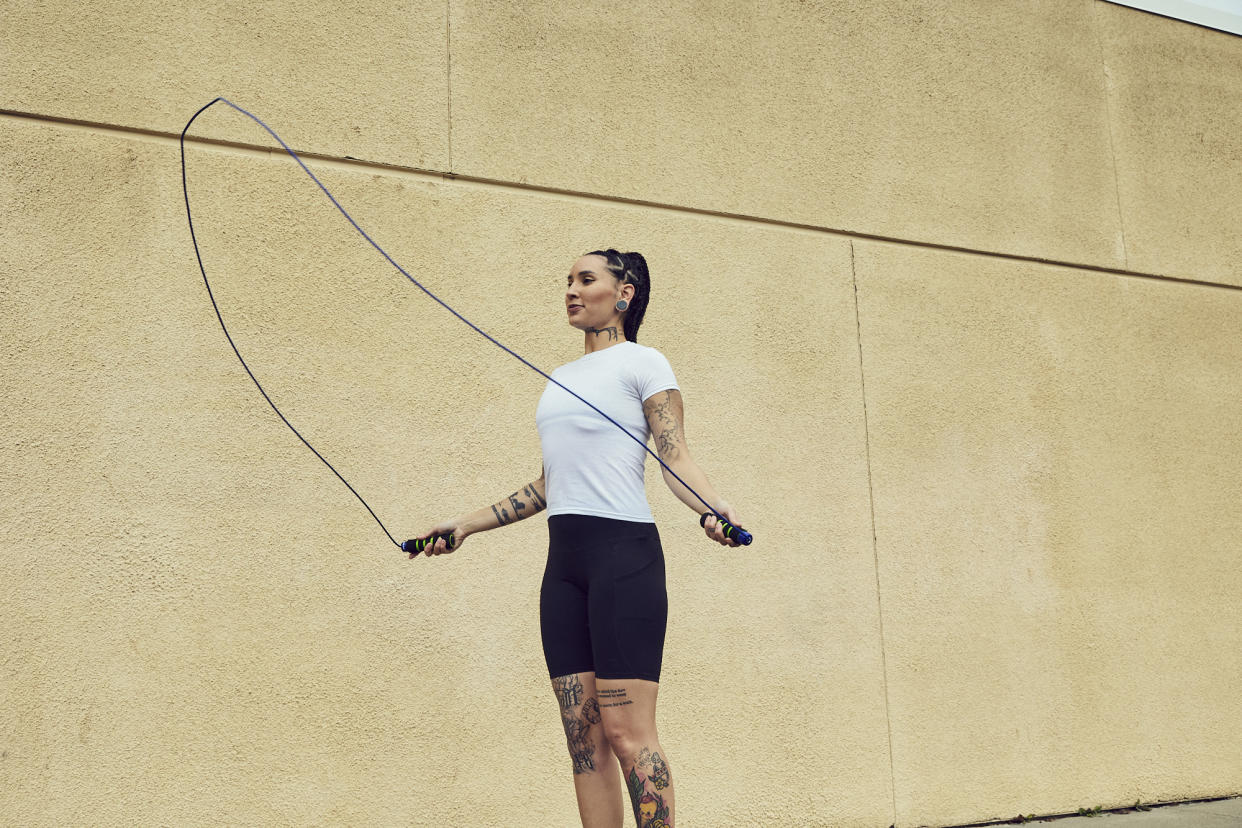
615, 698
578, 738
577, 716
568, 690
659, 775
649, 808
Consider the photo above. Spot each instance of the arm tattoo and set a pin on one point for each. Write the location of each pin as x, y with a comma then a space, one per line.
665, 428
668, 442
519, 506
533, 494
663, 409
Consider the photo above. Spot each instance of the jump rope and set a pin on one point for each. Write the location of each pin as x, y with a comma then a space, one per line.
413, 545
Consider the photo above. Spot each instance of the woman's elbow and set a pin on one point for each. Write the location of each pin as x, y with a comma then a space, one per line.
679, 464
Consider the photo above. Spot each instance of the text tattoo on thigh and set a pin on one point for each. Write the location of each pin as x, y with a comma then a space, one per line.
614, 698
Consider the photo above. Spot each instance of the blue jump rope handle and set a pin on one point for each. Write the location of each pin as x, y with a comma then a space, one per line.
734, 533
415, 546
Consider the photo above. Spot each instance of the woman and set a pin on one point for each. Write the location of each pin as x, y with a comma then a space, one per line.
602, 605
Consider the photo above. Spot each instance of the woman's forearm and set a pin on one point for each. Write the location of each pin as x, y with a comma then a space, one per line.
689, 471
526, 501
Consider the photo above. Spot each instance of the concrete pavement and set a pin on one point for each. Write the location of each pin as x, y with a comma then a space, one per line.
1220, 813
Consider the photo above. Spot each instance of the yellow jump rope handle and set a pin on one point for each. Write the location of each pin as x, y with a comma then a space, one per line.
415, 546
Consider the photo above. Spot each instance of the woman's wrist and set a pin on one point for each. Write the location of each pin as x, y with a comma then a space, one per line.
465, 527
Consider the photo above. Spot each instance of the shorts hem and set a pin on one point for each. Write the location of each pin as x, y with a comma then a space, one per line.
656, 679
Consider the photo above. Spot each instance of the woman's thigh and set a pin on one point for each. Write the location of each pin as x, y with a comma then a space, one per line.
627, 707
628, 609
563, 621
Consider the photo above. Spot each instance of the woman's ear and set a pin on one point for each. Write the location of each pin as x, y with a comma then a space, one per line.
627, 292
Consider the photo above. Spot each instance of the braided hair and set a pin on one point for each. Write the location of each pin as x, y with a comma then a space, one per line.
630, 268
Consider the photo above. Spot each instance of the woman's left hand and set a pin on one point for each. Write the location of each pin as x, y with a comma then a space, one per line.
713, 528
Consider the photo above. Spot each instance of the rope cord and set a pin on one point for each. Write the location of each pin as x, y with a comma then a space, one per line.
405, 273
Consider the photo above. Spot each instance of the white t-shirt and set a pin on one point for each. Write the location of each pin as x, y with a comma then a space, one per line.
590, 467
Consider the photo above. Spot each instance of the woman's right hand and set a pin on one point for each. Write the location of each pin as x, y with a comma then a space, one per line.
713, 528
440, 547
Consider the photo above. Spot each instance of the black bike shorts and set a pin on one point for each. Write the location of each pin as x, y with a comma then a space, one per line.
603, 605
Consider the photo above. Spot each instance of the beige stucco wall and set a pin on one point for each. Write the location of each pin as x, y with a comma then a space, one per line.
974, 266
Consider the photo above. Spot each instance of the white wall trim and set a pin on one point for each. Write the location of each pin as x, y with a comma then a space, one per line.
1225, 15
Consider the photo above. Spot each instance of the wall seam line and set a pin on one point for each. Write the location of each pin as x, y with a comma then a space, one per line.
448, 73
1112, 146
350, 162
875, 553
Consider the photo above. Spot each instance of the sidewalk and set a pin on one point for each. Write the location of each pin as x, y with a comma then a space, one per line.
1220, 813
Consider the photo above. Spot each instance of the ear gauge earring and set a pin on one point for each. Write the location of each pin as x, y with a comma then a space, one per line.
622, 304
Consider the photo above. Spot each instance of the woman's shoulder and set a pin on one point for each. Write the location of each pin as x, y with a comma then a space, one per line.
645, 355
646, 350
650, 369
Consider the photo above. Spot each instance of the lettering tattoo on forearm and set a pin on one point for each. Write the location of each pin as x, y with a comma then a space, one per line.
611, 331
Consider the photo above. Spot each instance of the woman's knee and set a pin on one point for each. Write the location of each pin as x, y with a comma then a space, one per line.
627, 713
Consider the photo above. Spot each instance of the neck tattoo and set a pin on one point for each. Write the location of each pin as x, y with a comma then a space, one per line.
611, 331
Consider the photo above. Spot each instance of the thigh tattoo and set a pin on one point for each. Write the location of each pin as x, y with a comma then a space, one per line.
577, 717
568, 690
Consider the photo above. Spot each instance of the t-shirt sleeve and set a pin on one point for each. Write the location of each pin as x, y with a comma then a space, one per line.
653, 374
